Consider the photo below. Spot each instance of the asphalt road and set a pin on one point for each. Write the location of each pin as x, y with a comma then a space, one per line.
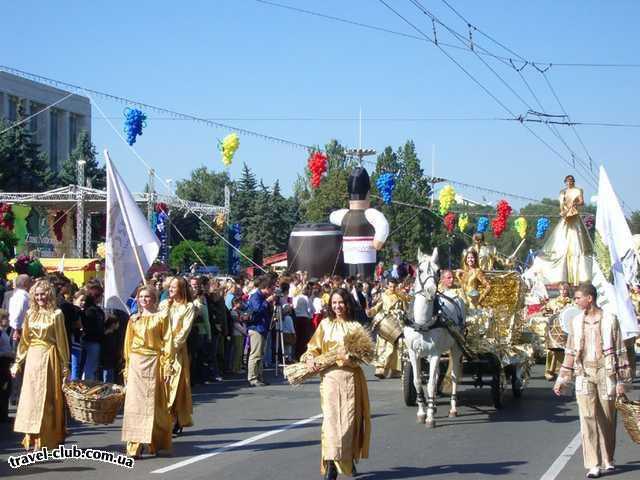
273, 433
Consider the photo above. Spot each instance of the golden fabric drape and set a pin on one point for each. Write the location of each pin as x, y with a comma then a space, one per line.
44, 352
344, 399
149, 357
181, 316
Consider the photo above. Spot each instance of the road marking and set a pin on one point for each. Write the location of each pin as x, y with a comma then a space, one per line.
557, 466
231, 446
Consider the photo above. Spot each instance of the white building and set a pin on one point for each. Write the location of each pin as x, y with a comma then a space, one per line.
57, 129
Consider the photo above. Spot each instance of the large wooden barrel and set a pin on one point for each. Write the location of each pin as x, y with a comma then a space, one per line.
316, 248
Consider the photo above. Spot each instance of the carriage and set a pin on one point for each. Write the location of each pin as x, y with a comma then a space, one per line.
496, 342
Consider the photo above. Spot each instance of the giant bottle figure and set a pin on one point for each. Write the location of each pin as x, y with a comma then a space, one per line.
364, 229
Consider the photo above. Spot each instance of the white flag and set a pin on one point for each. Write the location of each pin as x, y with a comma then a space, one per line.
61, 264
131, 246
615, 255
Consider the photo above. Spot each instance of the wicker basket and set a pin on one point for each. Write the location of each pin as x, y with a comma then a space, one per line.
630, 411
86, 408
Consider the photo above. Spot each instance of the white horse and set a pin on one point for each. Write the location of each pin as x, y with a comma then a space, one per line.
426, 339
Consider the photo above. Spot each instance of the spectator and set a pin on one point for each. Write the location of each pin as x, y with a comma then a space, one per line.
109, 348
303, 323
239, 334
259, 307
18, 306
6, 359
93, 326
200, 337
77, 332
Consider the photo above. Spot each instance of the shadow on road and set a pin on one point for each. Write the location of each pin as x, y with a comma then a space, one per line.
498, 468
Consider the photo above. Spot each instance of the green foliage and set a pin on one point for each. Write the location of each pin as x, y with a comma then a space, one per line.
182, 255
23, 168
634, 222
95, 175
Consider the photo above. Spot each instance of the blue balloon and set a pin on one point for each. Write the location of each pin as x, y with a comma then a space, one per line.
483, 224
542, 226
134, 121
386, 182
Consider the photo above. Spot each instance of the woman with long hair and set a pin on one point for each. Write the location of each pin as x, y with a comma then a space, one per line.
472, 278
43, 352
149, 358
181, 311
344, 398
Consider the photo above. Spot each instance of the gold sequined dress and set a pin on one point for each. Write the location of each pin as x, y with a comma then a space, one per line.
344, 399
149, 357
566, 254
388, 355
181, 316
43, 351
471, 279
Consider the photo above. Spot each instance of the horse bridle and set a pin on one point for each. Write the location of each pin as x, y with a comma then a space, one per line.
430, 274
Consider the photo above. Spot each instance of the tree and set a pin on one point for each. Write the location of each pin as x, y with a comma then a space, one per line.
332, 193
184, 254
23, 168
95, 175
634, 222
205, 186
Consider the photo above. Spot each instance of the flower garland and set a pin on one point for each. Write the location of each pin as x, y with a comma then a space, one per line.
463, 221
542, 226
499, 224
59, 219
386, 182
521, 226
483, 224
317, 164
134, 122
450, 221
228, 147
6, 216
447, 197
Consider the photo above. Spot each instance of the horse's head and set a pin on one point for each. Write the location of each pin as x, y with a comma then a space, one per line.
425, 283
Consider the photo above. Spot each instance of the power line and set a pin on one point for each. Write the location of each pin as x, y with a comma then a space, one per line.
477, 82
448, 45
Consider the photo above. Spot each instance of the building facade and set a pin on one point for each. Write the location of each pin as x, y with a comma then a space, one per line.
57, 129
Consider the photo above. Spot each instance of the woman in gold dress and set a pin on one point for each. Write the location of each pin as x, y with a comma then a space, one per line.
566, 254
43, 351
472, 279
149, 357
344, 398
181, 313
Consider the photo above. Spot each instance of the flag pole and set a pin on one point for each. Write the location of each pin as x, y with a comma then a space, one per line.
132, 238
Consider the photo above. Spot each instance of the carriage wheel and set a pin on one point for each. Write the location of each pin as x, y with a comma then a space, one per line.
409, 393
497, 391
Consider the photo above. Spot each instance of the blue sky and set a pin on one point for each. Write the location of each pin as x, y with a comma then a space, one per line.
245, 60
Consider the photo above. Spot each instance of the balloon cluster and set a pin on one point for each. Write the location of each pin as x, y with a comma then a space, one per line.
386, 183
446, 197
499, 224
134, 122
521, 226
228, 147
463, 221
219, 220
317, 164
6, 216
450, 221
542, 226
483, 224
589, 222
162, 207
101, 250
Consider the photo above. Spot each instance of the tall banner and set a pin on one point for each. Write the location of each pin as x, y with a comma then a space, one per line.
235, 239
161, 226
131, 245
615, 255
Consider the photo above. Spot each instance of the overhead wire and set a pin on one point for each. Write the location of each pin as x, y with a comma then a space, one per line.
448, 45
